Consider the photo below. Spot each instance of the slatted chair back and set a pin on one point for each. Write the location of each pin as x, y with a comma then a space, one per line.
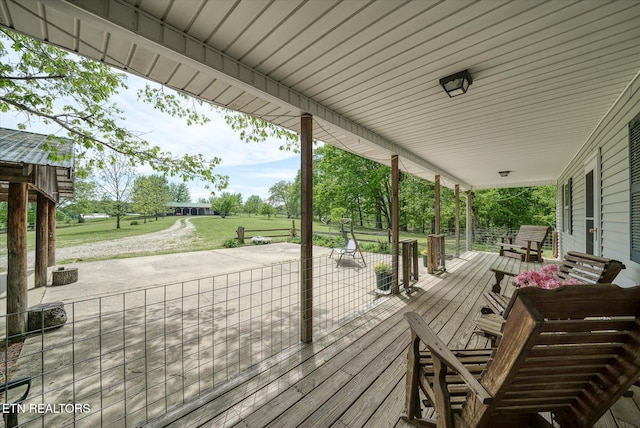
589, 269
528, 234
572, 351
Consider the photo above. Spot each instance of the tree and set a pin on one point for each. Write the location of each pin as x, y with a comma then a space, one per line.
514, 207
38, 80
85, 195
115, 181
253, 204
361, 186
286, 194
268, 210
226, 203
151, 195
179, 192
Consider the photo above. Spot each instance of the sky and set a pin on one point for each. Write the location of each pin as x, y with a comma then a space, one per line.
252, 167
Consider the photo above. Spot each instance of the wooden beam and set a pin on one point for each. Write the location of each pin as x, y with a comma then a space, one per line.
51, 229
469, 222
306, 228
437, 205
395, 223
457, 193
17, 261
42, 237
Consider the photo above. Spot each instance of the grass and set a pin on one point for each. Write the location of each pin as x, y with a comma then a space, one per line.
211, 232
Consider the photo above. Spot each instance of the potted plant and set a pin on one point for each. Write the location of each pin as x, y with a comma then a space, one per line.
424, 257
384, 277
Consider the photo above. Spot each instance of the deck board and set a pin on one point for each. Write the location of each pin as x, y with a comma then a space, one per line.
354, 375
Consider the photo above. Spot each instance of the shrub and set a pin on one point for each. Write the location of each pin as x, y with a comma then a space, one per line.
134, 223
231, 243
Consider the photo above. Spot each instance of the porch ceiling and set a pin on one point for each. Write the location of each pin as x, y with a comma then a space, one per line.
544, 72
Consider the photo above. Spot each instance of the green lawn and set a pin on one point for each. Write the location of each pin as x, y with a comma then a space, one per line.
211, 232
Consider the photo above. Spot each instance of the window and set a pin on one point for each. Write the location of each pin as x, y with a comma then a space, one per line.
567, 215
634, 185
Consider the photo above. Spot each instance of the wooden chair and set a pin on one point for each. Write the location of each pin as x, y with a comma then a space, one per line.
572, 352
586, 268
527, 245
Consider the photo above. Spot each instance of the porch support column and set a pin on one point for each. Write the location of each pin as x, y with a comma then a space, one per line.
42, 238
395, 223
51, 229
306, 228
437, 205
457, 193
469, 223
17, 261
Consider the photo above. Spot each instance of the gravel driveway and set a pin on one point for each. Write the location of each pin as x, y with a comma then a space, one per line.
178, 235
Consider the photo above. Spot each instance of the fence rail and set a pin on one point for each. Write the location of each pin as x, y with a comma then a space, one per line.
242, 232
128, 358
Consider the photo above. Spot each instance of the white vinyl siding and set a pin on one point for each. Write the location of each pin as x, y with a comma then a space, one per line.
611, 137
634, 174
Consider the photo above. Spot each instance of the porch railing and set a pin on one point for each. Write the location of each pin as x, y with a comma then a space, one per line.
124, 359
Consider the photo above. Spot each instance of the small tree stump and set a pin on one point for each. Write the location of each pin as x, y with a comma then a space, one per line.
63, 276
47, 315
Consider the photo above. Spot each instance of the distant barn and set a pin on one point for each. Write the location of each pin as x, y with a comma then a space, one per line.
190, 208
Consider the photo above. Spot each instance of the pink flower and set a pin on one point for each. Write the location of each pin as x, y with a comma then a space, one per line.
545, 278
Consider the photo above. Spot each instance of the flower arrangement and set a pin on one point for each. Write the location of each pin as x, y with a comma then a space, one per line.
382, 267
261, 240
545, 278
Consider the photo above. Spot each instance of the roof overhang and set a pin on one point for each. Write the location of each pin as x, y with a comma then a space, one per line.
544, 72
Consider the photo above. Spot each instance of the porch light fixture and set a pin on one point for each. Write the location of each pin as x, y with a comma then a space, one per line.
456, 84
504, 173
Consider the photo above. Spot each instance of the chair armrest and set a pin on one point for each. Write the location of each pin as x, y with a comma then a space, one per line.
16, 383
441, 351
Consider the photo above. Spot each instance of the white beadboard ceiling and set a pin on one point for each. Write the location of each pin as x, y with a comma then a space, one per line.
544, 72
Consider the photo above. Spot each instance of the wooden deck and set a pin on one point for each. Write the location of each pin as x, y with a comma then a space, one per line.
354, 376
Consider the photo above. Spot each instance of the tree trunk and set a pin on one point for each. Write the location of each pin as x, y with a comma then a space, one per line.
17, 261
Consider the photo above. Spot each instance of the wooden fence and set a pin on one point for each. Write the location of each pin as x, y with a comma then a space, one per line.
383, 234
273, 233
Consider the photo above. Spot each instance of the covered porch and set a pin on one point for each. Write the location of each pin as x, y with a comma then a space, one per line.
354, 376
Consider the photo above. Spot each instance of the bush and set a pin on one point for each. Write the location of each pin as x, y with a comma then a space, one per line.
231, 243
134, 223
328, 241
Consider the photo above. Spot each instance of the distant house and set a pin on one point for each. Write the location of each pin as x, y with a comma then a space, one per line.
190, 208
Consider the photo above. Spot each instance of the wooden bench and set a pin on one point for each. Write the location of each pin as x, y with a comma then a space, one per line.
586, 268
527, 245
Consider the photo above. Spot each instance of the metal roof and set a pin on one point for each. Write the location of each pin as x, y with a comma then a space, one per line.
29, 148
545, 72
20, 151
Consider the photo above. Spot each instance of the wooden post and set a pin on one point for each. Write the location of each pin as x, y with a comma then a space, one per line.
437, 205
395, 223
469, 222
51, 230
42, 238
240, 233
306, 228
17, 261
457, 192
